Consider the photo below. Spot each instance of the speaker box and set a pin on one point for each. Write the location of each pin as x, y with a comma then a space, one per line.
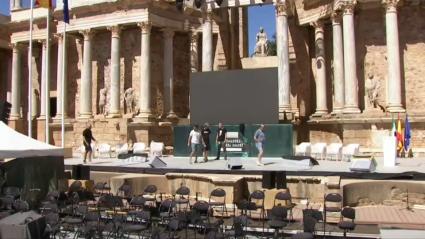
269, 179
281, 180
234, 163
80, 172
158, 163
364, 165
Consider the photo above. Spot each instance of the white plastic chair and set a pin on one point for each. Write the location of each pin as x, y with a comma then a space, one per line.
104, 149
139, 148
303, 149
156, 148
349, 150
318, 151
122, 149
334, 151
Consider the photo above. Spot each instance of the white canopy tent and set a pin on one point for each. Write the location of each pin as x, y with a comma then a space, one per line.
17, 145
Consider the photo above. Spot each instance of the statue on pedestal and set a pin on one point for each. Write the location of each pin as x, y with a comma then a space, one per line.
372, 87
261, 47
102, 101
129, 100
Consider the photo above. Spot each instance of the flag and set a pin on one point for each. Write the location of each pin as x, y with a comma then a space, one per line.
44, 3
407, 134
65, 11
393, 129
399, 135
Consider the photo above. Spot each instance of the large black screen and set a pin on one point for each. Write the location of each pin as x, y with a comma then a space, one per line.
234, 97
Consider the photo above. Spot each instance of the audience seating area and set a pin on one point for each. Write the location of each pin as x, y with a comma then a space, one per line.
333, 151
79, 213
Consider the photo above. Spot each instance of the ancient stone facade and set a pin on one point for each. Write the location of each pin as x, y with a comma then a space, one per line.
346, 68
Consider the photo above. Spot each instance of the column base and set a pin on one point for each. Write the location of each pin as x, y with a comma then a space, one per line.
171, 115
15, 117
284, 108
337, 111
320, 113
145, 116
114, 115
58, 117
87, 115
395, 109
351, 110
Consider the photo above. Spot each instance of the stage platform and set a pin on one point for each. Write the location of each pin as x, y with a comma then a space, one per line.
407, 168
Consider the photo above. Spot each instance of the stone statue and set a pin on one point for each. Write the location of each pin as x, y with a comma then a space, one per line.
261, 47
129, 100
372, 86
102, 101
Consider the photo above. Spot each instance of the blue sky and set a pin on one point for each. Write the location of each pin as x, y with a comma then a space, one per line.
258, 16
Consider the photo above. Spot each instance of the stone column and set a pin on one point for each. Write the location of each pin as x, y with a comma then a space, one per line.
168, 74
194, 52
283, 58
351, 104
393, 55
338, 64
86, 77
207, 38
44, 79
15, 111
114, 110
61, 68
145, 72
319, 33
15, 4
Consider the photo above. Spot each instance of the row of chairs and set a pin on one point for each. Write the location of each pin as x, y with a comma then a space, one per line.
106, 150
333, 151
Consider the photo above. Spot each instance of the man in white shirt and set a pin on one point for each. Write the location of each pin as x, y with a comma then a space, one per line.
194, 141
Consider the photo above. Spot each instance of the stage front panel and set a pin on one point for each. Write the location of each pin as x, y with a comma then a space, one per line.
234, 97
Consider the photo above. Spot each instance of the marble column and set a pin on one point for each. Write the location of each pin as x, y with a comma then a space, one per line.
394, 103
114, 110
207, 38
44, 79
282, 41
351, 104
319, 33
194, 52
338, 64
145, 72
60, 68
15, 111
168, 74
86, 77
15, 4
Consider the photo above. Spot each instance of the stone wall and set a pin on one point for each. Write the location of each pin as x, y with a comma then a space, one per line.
5, 72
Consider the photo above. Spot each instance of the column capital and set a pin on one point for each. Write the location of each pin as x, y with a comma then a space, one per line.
281, 9
391, 5
168, 33
193, 37
16, 47
115, 30
87, 33
349, 6
336, 17
317, 24
145, 27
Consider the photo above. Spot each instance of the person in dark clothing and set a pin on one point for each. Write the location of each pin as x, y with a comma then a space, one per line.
87, 138
221, 141
206, 140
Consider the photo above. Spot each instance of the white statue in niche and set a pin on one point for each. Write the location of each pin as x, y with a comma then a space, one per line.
372, 87
102, 101
261, 46
129, 100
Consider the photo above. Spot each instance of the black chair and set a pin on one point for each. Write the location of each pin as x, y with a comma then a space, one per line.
309, 228
101, 188
200, 216
52, 224
92, 225
284, 199
75, 186
256, 202
139, 225
166, 210
335, 201
125, 192
347, 225
13, 192
182, 197
276, 219
149, 193
218, 199
73, 223
238, 227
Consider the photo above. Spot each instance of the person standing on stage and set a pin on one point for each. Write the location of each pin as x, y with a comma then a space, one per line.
87, 138
259, 138
194, 141
206, 140
220, 140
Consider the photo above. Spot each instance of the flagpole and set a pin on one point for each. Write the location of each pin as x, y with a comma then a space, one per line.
47, 80
30, 74
62, 88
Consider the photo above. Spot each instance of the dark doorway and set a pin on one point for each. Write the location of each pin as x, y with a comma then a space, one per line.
53, 101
